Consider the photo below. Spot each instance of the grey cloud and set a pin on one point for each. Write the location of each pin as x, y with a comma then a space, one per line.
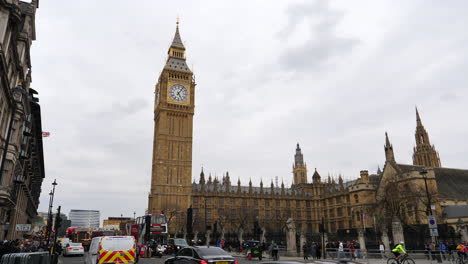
253, 101
323, 43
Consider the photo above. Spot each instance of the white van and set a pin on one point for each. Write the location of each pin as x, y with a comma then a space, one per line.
112, 249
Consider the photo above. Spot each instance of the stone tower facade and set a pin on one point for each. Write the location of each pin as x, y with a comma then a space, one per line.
299, 167
173, 128
424, 153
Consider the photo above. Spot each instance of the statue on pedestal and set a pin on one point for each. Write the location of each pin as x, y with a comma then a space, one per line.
291, 237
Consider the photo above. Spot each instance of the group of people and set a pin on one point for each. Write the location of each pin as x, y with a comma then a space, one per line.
433, 249
351, 249
22, 246
313, 250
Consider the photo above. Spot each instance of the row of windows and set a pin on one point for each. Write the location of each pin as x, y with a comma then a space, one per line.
255, 202
245, 202
178, 76
177, 54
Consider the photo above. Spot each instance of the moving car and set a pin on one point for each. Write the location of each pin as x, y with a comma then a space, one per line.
201, 255
73, 249
175, 244
112, 249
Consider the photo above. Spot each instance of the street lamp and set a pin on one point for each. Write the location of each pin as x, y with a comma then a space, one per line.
51, 203
120, 227
424, 175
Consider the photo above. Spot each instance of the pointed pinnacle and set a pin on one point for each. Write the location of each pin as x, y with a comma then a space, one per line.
387, 141
418, 118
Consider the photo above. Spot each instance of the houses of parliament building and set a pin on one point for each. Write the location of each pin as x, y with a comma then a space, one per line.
232, 207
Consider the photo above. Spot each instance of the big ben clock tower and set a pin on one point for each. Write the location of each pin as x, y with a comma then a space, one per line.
173, 129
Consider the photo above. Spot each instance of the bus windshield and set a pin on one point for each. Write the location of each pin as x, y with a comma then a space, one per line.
158, 219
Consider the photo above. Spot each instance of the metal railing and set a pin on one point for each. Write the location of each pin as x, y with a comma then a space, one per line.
420, 256
26, 258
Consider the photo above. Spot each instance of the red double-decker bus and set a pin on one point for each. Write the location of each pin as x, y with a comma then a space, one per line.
151, 227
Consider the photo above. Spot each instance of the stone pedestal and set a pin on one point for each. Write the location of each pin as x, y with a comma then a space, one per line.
263, 236
362, 242
386, 241
463, 230
241, 237
291, 238
222, 235
397, 230
208, 237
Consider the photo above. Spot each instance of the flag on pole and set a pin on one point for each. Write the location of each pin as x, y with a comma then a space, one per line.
45, 134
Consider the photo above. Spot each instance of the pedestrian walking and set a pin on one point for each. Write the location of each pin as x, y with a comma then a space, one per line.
382, 250
319, 251
313, 251
427, 250
340, 250
352, 249
443, 249
305, 251
357, 246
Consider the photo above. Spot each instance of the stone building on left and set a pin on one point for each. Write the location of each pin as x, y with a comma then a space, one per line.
21, 152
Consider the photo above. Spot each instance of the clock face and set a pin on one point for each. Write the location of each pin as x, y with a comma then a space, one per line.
178, 93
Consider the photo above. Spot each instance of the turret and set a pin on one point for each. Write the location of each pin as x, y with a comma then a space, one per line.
364, 176
316, 177
389, 156
202, 177
239, 190
209, 179
299, 167
215, 184
424, 154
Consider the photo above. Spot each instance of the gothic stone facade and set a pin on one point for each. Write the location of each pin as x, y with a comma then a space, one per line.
219, 204
21, 155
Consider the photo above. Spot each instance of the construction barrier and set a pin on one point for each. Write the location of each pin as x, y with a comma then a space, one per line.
26, 258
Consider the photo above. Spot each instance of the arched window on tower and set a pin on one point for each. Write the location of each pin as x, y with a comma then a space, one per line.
356, 198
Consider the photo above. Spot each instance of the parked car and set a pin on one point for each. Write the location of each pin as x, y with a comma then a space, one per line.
112, 249
201, 255
73, 249
175, 244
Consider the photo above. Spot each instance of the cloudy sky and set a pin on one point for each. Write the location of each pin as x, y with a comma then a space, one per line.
331, 75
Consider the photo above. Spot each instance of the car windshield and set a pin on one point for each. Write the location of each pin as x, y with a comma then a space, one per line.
212, 251
117, 243
75, 245
180, 242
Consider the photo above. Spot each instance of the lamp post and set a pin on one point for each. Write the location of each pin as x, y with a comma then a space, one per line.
424, 175
51, 203
429, 208
120, 227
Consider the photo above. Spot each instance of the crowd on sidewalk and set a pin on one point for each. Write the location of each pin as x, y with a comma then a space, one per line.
22, 246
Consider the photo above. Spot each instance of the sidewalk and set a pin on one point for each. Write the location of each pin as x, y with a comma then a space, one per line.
266, 257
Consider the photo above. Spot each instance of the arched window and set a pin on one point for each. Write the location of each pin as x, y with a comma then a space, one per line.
356, 198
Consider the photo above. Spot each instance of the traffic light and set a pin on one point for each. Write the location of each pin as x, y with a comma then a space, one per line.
147, 227
58, 222
189, 220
